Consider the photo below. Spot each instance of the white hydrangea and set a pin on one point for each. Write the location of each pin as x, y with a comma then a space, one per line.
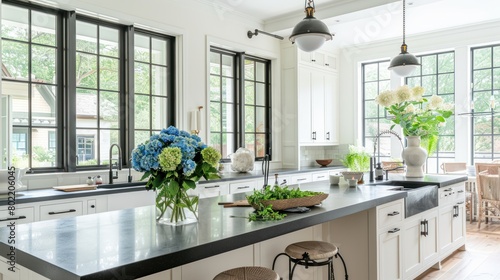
417, 93
386, 99
410, 109
403, 94
435, 102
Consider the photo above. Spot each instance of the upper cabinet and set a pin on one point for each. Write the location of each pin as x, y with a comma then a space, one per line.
310, 97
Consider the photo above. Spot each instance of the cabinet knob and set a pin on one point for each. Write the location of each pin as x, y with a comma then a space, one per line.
92, 206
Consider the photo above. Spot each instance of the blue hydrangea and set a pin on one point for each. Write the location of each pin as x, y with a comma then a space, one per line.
188, 167
184, 133
196, 138
172, 130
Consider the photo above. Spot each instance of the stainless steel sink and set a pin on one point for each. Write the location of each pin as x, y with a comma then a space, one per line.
420, 197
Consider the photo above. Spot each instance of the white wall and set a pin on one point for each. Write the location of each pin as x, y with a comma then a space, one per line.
459, 39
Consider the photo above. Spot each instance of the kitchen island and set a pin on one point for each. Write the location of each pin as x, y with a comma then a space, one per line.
130, 243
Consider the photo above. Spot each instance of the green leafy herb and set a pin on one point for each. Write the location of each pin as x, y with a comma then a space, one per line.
266, 213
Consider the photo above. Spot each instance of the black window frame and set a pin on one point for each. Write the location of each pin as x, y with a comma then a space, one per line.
239, 104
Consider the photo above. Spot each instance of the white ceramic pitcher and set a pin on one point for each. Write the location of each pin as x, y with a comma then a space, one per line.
18, 175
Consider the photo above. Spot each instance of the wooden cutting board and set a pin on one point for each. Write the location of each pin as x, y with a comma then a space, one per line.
237, 203
74, 188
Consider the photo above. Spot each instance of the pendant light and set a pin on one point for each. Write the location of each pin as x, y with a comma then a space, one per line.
310, 33
405, 63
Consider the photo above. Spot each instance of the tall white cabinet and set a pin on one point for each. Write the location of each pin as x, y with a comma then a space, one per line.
310, 100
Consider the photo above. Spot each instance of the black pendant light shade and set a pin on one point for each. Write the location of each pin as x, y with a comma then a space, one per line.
405, 63
310, 33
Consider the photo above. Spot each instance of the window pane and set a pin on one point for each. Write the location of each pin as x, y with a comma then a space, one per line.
429, 65
44, 105
159, 52
86, 37
250, 142
482, 145
227, 66
106, 139
43, 61
86, 148
249, 70
429, 84
482, 101
215, 141
215, 116
15, 58
260, 94
446, 62
447, 144
228, 118
109, 109
159, 112
482, 58
86, 110
249, 119
109, 73
215, 88
384, 73
20, 105
249, 93
260, 145
215, 63
43, 155
371, 72
20, 142
43, 29
86, 70
482, 125
446, 83
141, 136
108, 42
141, 75
142, 111
228, 146
496, 56
228, 90
260, 119
141, 48
159, 80
371, 90
482, 79
371, 109
413, 81
496, 78
260, 72
14, 23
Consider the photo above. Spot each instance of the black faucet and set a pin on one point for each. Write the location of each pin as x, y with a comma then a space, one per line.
114, 175
374, 160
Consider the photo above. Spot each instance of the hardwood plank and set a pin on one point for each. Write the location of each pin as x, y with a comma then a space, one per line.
480, 260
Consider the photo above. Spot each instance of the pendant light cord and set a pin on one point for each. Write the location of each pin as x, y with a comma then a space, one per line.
404, 21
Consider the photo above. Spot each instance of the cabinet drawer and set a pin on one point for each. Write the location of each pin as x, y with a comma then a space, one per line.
22, 216
390, 213
451, 194
56, 211
247, 186
213, 190
320, 176
301, 178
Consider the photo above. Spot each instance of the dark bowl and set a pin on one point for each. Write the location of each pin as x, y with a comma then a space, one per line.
324, 162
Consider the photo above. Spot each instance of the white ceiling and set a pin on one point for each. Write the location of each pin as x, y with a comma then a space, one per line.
369, 20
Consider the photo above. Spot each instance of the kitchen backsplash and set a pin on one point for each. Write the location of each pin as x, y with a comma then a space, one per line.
309, 154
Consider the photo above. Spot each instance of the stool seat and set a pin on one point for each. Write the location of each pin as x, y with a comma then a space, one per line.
317, 250
248, 273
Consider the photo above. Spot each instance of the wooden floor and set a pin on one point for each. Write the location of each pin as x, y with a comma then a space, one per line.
480, 260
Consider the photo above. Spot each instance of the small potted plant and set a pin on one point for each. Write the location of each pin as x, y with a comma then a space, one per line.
357, 160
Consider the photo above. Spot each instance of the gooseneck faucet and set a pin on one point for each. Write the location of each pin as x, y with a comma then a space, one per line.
374, 159
114, 175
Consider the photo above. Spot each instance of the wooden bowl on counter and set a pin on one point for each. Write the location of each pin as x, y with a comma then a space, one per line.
324, 162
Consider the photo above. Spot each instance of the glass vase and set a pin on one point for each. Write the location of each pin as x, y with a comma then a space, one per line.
177, 209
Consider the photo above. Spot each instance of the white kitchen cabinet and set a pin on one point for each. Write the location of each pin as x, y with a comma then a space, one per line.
97, 204
318, 121
451, 219
320, 176
213, 189
241, 187
390, 218
301, 178
126, 200
420, 243
58, 209
21, 215
321, 59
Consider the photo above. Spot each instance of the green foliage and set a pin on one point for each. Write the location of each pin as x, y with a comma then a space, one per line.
40, 154
266, 213
357, 159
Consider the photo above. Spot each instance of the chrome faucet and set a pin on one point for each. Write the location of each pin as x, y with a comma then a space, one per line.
373, 161
114, 175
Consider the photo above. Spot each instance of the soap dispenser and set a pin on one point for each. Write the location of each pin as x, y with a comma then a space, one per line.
379, 172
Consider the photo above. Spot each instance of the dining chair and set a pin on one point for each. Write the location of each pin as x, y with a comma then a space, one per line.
461, 168
488, 190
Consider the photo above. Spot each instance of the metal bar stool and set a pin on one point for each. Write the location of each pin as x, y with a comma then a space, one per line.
311, 253
248, 273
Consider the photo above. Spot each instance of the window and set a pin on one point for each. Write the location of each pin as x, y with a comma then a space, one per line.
240, 103
376, 79
152, 88
72, 103
485, 94
437, 76
31, 51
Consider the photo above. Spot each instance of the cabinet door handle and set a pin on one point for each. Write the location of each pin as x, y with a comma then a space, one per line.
62, 212
301, 179
395, 213
460, 191
394, 230
425, 225
321, 177
212, 187
314, 135
460, 202
448, 190
284, 182
92, 206
327, 64
328, 135
13, 218
244, 187
455, 211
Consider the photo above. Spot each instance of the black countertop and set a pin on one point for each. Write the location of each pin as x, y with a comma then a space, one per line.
130, 242
428, 179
